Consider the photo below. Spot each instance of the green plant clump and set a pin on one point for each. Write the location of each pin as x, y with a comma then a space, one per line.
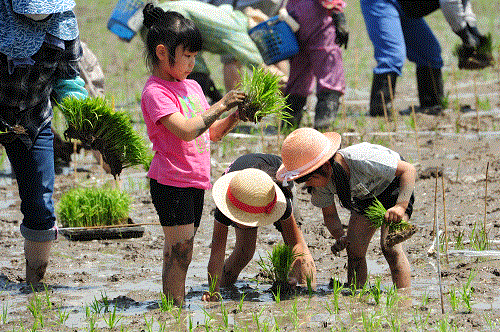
99, 127
86, 207
264, 96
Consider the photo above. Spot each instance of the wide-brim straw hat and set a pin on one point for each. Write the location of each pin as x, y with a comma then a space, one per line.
249, 197
304, 150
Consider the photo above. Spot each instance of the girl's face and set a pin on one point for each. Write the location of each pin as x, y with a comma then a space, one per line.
182, 67
317, 180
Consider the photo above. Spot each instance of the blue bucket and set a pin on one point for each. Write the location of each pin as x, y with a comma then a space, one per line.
275, 40
126, 18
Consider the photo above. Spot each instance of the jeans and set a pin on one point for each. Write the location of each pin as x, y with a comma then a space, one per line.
396, 37
34, 169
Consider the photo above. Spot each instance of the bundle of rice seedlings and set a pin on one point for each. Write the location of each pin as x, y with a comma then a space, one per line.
264, 96
86, 207
281, 259
94, 122
398, 232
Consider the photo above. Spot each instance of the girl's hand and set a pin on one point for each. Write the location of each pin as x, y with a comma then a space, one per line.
233, 98
215, 297
340, 245
395, 214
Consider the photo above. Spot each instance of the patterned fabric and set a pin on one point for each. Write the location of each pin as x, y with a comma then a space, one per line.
21, 37
42, 6
24, 94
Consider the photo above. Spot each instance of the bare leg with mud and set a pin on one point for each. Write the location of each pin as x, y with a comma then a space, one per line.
359, 235
177, 255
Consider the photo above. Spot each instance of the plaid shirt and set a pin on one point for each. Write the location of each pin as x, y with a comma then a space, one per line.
25, 106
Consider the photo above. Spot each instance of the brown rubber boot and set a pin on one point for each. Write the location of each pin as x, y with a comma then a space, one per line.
37, 259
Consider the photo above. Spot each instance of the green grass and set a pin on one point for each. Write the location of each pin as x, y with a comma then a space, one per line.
84, 207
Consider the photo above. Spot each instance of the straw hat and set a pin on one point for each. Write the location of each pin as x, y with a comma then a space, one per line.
249, 197
304, 151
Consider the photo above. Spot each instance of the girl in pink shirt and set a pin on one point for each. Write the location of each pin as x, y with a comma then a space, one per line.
180, 125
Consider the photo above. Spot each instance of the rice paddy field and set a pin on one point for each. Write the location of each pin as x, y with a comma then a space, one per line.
115, 285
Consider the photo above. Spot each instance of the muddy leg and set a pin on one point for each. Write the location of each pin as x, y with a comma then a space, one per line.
177, 254
398, 264
244, 249
359, 235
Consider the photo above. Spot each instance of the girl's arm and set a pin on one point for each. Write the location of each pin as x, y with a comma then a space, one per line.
216, 262
221, 127
406, 173
332, 221
189, 129
334, 225
303, 267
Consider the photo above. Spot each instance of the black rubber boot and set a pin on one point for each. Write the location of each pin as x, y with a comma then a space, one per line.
326, 109
381, 94
297, 104
430, 90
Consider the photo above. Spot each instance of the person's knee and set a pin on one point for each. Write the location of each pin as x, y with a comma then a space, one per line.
246, 254
180, 254
392, 254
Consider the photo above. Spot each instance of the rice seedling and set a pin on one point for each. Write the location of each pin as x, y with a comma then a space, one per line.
225, 315
5, 312
264, 96
240, 304
467, 291
392, 297
94, 122
310, 290
62, 315
112, 318
166, 304
454, 301
276, 295
394, 322
376, 290
85, 207
398, 232
281, 259
211, 288
337, 288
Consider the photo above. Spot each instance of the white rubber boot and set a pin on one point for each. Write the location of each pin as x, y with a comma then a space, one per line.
37, 259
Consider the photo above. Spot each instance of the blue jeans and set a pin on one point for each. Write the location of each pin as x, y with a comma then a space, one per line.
396, 37
34, 169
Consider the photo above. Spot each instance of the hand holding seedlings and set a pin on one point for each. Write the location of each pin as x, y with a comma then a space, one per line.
263, 96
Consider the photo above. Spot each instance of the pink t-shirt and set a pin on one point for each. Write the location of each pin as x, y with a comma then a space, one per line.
176, 162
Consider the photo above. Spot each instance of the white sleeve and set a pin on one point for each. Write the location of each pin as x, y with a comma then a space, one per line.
458, 13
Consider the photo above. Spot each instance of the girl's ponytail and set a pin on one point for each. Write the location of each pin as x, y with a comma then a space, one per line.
152, 15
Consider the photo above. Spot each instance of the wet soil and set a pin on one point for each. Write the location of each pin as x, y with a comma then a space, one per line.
463, 202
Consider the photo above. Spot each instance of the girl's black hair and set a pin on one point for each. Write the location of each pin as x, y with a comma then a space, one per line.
170, 29
342, 185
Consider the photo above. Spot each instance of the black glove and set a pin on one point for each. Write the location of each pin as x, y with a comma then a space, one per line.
342, 31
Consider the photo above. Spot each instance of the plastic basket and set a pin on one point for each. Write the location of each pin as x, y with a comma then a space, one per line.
126, 18
275, 40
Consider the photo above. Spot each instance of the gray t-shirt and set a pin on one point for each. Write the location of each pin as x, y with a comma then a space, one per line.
372, 168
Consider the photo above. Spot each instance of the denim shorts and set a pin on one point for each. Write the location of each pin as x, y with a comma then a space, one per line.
177, 206
34, 169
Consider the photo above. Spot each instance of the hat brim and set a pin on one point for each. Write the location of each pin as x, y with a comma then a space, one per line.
334, 137
219, 193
